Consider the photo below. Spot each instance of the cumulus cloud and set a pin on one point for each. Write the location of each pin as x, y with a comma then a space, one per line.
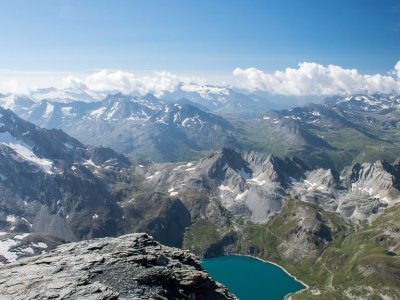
12, 86
100, 82
315, 79
22, 82
307, 79
120, 81
74, 83
397, 69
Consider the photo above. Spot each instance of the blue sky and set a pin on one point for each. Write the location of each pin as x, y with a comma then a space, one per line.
207, 37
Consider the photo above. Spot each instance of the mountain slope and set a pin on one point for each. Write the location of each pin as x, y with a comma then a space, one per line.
254, 186
176, 127
142, 126
330, 135
337, 260
54, 179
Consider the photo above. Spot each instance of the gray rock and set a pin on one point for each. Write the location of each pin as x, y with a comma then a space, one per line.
133, 266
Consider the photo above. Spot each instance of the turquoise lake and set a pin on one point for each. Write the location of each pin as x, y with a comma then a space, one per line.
251, 279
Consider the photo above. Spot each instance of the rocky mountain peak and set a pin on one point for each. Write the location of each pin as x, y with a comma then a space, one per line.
13, 101
122, 107
129, 267
379, 179
376, 103
102, 155
218, 162
276, 169
52, 144
324, 178
188, 116
368, 170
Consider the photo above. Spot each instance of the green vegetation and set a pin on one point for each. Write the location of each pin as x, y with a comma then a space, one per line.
350, 143
359, 261
200, 236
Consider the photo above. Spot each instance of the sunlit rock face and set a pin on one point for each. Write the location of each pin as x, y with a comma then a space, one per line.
129, 267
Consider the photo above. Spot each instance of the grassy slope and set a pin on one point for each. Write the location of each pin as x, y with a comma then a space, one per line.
200, 236
354, 264
352, 145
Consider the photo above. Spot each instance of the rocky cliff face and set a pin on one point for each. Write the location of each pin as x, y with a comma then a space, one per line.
255, 186
129, 267
248, 185
51, 183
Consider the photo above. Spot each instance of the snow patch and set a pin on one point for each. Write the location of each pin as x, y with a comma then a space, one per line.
21, 236
28, 250
11, 218
49, 110
24, 151
67, 111
5, 246
97, 112
240, 196
206, 92
225, 188
40, 245
90, 163
258, 180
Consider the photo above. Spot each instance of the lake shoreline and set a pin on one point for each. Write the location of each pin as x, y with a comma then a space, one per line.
282, 268
306, 286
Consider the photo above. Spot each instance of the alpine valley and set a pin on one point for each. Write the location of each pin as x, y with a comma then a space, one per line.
213, 170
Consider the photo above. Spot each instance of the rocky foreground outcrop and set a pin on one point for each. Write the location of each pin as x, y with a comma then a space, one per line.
132, 266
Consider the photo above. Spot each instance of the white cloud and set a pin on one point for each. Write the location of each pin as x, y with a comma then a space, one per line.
397, 68
74, 83
13, 86
307, 79
120, 81
315, 79
22, 82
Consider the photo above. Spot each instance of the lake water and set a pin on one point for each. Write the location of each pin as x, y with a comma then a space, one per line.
251, 279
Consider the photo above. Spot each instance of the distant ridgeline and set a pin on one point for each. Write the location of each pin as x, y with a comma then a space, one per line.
187, 125
325, 206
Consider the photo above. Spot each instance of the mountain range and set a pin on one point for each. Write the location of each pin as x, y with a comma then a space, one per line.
146, 127
338, 132
321, 182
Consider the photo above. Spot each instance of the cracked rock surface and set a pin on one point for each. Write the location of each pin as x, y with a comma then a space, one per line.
132, 266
